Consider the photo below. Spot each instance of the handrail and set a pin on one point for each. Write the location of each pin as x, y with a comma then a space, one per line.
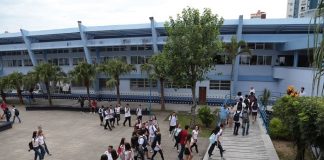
265, 117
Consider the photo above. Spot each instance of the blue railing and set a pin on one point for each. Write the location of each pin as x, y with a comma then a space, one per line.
265, 117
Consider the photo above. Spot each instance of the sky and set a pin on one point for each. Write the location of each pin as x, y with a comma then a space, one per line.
54, 14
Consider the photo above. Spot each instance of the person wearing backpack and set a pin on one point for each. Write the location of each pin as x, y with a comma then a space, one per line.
245, 122
176, 136
246, 101
35, 146
254, 110
157, 146
237, 123
7, 114
142, 145
100, 112
240, 105
16, 114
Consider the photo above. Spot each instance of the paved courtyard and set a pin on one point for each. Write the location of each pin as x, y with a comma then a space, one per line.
74, 135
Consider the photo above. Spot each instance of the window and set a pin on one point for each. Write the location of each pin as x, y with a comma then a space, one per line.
255, 60
39, 61
64, 62
304, 60
53, 61
28, 62
76, 61
172, 85
268, 60
268, 46
139, 59
286, 60
133, 48
219, 85
141, 84
222, 59
260, 60
259, 46
245, 60
12, 63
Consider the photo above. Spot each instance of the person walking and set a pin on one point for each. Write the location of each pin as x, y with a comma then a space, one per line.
7, 114
255, 108
139, 112
157, 146
127, 115
112, 116
223, 115
237, 123
40, 129
16, 114
117, 113
176, 136
121, 147
93, 106
152, 133
240, 105
188, 151
214, 140
230, 116
183, 136
35, 143
194, 139
128, 153
81, 101
245, 122
172, 122
142, 145
101, 114
41, 140
3, 107
106, 111
108, 153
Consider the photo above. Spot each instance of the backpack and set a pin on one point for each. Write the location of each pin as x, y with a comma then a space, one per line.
246, 101
177, 132
255, 106
30, 145
212, 138
239, 106
8, 113
16, 112
236, 117
245, 117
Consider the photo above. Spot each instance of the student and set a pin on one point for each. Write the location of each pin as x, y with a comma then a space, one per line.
108, 153
238, 96
16, 114
156, 145
81, 101
183, 136
237, 123
194, 139
176, 132
111, 116
188, 151
93, 106
117, 113
252, 98
246, 101
240, 105
41, 140
230, 117
104, 157
36, 148
127, 115
173, 122
107, 119
7, 114
142, 145
155, 121
245, 122
3, 107
152, 133
45, 145
214, 140
223, 115
139, 112
255, 108
114, 154
101, 115
128, 155
121, 147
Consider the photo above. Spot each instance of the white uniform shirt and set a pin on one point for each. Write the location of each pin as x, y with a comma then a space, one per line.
111, 112
41, 140
109, 155
35, 142
152, 130
195, 134
139, 111
173, 120
107, 114
117, 110
127, 112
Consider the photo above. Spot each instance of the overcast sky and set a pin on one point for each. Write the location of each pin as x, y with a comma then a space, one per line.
53, 14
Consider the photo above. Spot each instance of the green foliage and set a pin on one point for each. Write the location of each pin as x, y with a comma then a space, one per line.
15, 81
206, 115
265, 97
114, 69
47, 73
3, 86
30, 81
193, 42
277, 129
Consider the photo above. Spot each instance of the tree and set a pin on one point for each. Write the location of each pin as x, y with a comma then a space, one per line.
193, 42
235, 48
84, 73
265, 97
114, 69
47, 73
29, 82
3, 86
158, 69
15, 80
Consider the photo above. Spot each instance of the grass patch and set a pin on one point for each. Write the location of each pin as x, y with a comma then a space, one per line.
286, 150
184, 119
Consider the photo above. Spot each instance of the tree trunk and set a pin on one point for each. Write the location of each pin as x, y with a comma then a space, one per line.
232, 77
300, 151
3, 96
117, 90
48, 93
162, 94
194, 105
87, 84
19, 95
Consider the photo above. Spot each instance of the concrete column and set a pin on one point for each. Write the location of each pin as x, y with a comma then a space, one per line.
84, 42
295, 59
237, 59
27, 41
154, 36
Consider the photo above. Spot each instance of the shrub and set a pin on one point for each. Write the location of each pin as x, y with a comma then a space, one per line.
206, 115
277, 129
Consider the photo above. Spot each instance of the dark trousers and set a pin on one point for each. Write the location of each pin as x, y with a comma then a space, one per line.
139, 118
180, 156
46, 149
236, 128
42, 151
37, 153
107, 124
194, 145
8, 119
176, 144
93, 110
212, 147
245, 130
81, 105
112, 122
129, 121
161, 153
118, 118
15, 118
101, 120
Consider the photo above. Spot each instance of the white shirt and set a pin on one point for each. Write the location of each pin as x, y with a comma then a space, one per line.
107, 114
243, 105
139, 111
152, 130
109, 155
117, 110
35, 142
140, 140
252, 90
302, 94
127, 112
173, 120
195, 134
41, 140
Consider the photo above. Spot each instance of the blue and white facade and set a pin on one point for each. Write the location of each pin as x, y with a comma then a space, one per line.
279, 54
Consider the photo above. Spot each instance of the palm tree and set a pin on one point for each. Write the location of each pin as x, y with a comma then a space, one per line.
235, 48
30, 81
47, 73
3, 86
15, 80
114, 69
158, 68
84, 73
